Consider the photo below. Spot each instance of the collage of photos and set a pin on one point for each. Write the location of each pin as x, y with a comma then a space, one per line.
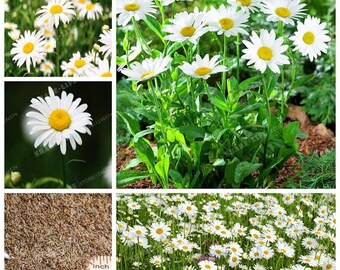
204, 140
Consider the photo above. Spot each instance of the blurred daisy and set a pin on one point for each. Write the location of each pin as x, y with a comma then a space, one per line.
78, 64
14, 34
311, 38
47, 68
91, 11
203, 67
55, 11
186, 26
283, 10
148, 69
50, 45
102, 70
127, 9
265, 51
106, 39
10, 26
227, 20
29, 48
57, 120
246, 5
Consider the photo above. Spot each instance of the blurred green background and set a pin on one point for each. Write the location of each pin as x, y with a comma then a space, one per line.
95, 152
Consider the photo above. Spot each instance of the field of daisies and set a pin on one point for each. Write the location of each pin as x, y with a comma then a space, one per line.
226, 231
206, 88
58, 38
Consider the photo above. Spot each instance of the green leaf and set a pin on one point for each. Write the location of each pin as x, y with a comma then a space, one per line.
244, 169
245, 84
176, 177
193, 132
128, 177
302, 80
289, 133
141, 134
219, 102
219, 162
131, 122
246, 109
47, 182
132, 163
162, 168
229, 171
196, 148
144, 152
155, 26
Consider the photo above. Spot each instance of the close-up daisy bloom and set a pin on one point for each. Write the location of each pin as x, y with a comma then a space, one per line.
203, 67
56, 11
57, 120
265, 51
186, 26
91, 11
311, 38
246, 5
227, 20
147, 69
137, 9
283, 10
30, 48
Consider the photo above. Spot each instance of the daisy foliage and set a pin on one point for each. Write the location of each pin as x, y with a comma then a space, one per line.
53, 31
258, 234
214, 82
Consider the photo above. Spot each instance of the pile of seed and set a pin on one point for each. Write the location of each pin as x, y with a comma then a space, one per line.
57, 231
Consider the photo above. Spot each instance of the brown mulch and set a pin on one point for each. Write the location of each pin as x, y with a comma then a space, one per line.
57, 231
320, 139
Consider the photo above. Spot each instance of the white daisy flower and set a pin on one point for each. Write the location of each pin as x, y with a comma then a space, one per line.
186, 26
55, 11
234, 261
227, 20
58, 119
311, 38
127, 9
283, 10
156, 260
106, 39
47, 68
265, 51
328, 265
203, 265
169, 2
246, 5
149, 68
50, 45
29, 48
78, 65
91, 11
102, 70
10, 26
203, 67
159, 231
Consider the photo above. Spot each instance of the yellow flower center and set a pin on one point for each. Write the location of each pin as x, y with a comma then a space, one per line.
173, 211
89, 6
266, 252
207, 266
282, 12
59, 120
79, 63
132, 7
288, 198
47, 32
265, 53
188, 31
329, 266
233, 249
256, 236
202, 71
226, 23
107, 74
234, 259
147, 74
218, 251
189, 208
244, 3
185, 247
159, 231
28, 47
82, 1
256, 254
47, 67
217, 227
56, 9
138, 232
308, 38
48, 46
239, 230
309, 243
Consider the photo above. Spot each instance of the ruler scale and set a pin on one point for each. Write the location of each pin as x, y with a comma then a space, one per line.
101, 262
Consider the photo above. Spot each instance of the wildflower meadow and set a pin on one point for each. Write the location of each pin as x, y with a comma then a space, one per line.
205, 88
226, 231
58, 38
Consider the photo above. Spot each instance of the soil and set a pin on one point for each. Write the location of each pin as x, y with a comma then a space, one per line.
320, 139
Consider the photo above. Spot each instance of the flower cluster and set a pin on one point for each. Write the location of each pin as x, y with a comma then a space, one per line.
223, 231
46, 45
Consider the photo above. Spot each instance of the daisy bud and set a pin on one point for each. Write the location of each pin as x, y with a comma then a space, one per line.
105, 27
96, 47
15, 177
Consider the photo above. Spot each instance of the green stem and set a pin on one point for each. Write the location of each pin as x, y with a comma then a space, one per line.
282, 92
238, 57
224, 74
64, 170
209, 96
57, 61
139, 36
265, 91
